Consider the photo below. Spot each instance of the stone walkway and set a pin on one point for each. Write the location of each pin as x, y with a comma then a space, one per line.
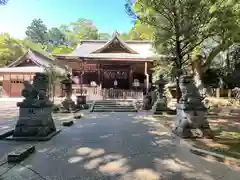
113, 146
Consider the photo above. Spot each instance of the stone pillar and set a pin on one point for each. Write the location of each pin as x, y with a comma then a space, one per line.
191, 112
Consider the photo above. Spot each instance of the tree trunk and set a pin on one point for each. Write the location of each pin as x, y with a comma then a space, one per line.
197, 72
178, 90
53, 92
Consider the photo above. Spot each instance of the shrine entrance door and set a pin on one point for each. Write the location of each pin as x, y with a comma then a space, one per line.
120, 76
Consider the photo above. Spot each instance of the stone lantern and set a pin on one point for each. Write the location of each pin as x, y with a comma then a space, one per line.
160, 105
66, 86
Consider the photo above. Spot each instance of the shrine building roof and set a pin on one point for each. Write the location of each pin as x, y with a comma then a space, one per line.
113, 48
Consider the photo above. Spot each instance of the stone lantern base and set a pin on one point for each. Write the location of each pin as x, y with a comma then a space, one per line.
69, 105
35, 121
159, 106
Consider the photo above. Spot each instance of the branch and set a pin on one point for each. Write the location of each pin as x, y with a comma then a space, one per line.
216, 51
187, 50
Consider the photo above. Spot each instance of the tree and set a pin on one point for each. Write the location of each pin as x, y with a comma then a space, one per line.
56, 37
41, 48
181, 26
62, 49
54, 79
104, 36
140, 32
10, 49
37, 32
81, 29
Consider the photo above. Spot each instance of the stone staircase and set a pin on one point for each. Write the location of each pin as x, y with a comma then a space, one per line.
113, 106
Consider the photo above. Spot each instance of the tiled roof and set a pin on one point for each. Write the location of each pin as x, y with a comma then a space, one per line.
86, 48
92, 49
40, 60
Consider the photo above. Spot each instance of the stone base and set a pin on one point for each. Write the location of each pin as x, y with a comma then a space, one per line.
146, 103
68, 123
5, 134
68, 111
20, 153
34, 122
50, 136
78, 116
69, 105
159, 106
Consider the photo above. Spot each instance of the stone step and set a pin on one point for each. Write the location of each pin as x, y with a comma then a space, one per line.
113, 103
114, 110
114, 100
112, 106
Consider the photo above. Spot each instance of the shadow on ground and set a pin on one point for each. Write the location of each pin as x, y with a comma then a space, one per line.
120, 146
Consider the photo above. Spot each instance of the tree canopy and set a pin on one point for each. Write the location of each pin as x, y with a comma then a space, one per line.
184, 28
37, 32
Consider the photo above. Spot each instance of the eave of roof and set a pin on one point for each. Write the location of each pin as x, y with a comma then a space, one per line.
28, 69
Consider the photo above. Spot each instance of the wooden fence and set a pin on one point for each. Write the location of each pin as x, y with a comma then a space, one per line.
97, 93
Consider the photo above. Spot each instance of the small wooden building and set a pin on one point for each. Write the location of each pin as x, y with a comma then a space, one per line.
24, 69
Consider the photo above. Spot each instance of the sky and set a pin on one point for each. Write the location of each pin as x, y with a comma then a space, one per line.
108, 15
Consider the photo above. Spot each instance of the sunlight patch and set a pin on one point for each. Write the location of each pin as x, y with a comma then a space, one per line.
4, 127
96, 152
75, 159
172, 165
142, 174
83, 151
114, 167
159, 133
43, 150
111, 157
195, 175
106, 136
93, 164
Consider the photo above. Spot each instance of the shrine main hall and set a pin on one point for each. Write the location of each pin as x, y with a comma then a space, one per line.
102, 64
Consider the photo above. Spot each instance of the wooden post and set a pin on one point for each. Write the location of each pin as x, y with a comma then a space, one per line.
229, 93
218, 93
130, 77
99, 74
147, 76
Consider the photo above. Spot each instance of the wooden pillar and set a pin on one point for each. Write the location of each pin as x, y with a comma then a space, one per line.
147, 75
99, 73
130, 77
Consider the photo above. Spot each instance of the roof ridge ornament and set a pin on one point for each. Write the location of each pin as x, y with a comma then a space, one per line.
116, 34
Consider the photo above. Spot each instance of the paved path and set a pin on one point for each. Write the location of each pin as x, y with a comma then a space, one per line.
113, 146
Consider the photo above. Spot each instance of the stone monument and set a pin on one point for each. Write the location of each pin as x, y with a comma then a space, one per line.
160, 105
68, 104
191, 111
35, 116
